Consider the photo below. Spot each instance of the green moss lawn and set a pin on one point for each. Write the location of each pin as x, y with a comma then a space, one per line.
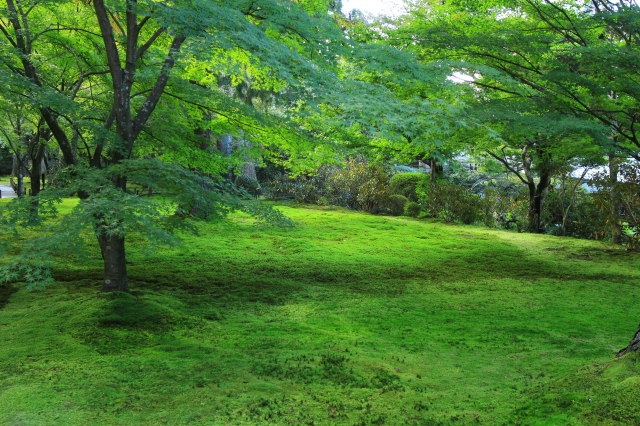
348, 319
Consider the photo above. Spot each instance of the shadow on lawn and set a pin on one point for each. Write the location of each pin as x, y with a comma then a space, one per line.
6, 291
228, 281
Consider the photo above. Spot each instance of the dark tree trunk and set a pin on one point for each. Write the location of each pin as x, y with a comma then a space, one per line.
36, 170
531, 214
115, 266
538, 190
633, 345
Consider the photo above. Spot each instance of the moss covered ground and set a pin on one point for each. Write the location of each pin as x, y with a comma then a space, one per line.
348, 319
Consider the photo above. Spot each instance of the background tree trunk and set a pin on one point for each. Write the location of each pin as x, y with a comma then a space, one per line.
225, 145
432, 172
616, 232
249, 165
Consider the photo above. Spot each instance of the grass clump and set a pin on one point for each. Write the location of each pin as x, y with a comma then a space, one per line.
346, 319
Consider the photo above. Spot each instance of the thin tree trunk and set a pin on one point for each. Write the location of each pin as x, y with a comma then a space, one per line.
616, 232
432, 171
115, 266
226, 147
531, 214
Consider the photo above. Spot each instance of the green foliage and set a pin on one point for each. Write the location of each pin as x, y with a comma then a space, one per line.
384, 320
412, 209
405, 184
396, 204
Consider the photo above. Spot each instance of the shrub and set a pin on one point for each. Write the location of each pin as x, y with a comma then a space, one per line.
359, 185
303, 188
412, 209
396, 204
405, 184
450, 202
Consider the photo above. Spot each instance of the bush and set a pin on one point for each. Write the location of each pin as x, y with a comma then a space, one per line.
304, 189
450, 202
357, 185
412, 209
405, 184
396, 204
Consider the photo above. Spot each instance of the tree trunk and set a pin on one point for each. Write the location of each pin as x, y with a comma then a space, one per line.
225, 145
432, 171
115, 266
531, 214
633, 345
616, 232
539, 190
17, 171
36, 170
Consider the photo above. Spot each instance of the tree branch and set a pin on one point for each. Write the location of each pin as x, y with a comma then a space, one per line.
506, 164
152, 100
142, 49
7, 35
113, 58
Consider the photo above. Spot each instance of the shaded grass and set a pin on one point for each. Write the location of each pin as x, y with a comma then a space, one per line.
347, 319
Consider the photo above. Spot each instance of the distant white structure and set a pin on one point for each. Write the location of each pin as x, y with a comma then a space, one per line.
7, 192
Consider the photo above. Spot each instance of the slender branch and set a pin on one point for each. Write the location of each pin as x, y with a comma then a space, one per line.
511, 169
113, 18
142, 22
215, 111
25, 24
489, 86
142, 49
7, 35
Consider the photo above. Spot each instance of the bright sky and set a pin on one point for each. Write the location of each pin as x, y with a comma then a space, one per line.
374, 7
